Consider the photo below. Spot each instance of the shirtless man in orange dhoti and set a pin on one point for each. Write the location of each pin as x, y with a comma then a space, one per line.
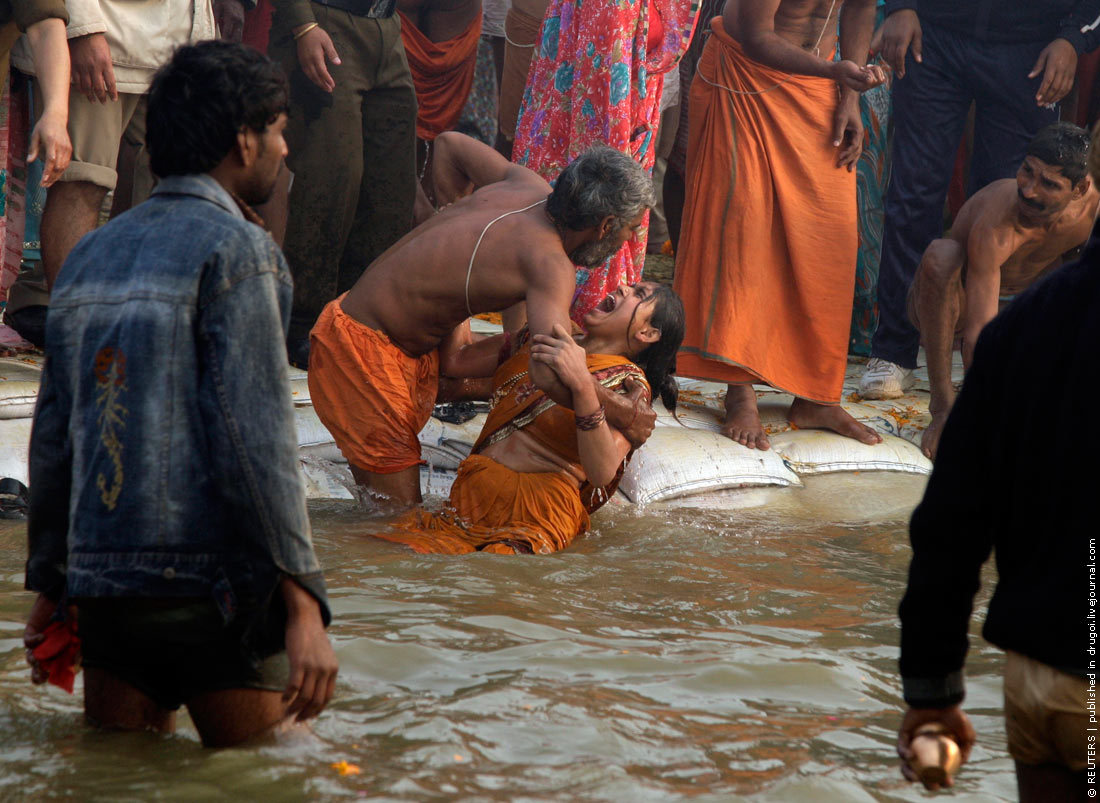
374, 361
1002, 240
767, 257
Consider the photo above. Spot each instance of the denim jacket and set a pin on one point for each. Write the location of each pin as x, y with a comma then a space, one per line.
163, 458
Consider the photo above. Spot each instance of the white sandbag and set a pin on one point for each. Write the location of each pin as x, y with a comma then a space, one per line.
15, 440
299, 387
813, 451
18, 388
677, 461
445, 445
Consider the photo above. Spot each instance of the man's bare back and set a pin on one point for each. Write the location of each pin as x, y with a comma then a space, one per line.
415, 292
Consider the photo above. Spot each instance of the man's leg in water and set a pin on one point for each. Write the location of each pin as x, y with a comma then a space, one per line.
234, 716
935, 303
742, 422
110, 702
389, 493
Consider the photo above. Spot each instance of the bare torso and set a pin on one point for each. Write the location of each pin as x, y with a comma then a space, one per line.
800, 22
521, 452
1023, 252
415, 292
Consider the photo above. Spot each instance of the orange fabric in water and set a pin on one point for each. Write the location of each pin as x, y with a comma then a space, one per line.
372, 397
442, 72
496, 509
766, 265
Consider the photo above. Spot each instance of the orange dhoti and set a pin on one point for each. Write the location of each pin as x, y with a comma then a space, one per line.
766, 266
372, 397
442, 72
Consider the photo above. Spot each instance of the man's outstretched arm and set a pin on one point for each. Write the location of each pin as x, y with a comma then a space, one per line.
461, 164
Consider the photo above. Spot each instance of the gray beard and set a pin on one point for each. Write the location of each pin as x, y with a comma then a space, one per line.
595, 253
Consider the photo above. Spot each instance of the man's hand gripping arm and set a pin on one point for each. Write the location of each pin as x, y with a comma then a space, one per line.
547, 305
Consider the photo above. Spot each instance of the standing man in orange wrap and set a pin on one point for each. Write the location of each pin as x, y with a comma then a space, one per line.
768, 250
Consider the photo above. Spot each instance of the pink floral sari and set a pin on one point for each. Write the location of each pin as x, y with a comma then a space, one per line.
594, 80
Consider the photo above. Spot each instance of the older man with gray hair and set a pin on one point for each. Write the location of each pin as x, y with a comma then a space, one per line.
500, 237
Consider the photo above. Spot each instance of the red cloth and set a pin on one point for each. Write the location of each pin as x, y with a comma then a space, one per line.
59, 654
442, 72
257, 25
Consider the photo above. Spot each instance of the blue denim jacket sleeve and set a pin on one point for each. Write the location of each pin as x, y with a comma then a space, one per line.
243, 310
50, 479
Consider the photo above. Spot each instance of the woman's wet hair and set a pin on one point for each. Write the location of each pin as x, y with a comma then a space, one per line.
1063, 145
658, 359
600, 182
201, 99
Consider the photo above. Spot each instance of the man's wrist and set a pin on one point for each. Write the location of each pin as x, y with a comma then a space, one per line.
1073, 37
934, 692
299, 602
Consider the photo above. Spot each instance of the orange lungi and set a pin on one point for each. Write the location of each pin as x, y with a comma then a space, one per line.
495, 509
766, 266
372, 396
442, 72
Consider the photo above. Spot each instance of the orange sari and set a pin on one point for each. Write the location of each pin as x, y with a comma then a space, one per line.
495, 509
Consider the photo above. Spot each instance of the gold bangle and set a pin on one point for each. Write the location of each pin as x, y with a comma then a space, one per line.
306, 30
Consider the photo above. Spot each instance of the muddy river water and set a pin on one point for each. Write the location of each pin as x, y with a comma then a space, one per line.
675, 653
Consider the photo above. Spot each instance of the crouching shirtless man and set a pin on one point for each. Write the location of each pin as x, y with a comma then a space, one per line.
1006, 236
503, 238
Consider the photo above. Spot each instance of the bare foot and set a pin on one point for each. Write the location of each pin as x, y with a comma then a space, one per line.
742, 422
930, 440
809, 415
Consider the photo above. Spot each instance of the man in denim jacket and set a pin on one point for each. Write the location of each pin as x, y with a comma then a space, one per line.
166, 501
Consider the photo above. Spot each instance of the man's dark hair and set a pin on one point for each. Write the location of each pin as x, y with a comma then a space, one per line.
658, 360
600, 182
202, 98
1063, 145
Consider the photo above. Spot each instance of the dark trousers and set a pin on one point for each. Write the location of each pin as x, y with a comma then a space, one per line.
931, 104
353, 154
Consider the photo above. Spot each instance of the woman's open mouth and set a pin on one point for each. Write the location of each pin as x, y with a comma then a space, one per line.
607, 305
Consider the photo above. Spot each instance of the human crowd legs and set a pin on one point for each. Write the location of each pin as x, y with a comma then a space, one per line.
931, 104
352, 153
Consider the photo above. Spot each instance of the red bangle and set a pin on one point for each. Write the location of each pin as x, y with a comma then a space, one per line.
590, 422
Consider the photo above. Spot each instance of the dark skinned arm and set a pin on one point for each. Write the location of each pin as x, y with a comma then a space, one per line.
756, 21
857, 24
461, 165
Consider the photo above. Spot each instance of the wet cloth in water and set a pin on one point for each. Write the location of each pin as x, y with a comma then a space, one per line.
442, 72
595, 79
495, 509
768, 249
373, 397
